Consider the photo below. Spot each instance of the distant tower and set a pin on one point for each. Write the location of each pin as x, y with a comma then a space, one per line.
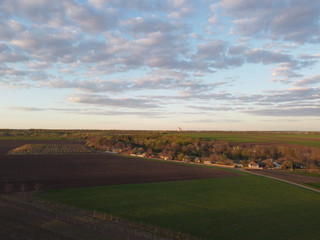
179, 129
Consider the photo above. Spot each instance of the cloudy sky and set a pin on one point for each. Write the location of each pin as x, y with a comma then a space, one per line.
147, 64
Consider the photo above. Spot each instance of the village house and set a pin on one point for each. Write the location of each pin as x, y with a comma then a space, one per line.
186, 158
276, 165
253, 164
110, 152
197, 160
164, 157
237, 165
138, 155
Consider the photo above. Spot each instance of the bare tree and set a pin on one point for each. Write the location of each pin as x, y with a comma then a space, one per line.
7, 187
37, 186
22, 187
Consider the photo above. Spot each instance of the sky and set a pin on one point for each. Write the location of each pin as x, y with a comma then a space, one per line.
158, 65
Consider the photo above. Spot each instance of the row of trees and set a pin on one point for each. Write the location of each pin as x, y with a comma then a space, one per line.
179, 147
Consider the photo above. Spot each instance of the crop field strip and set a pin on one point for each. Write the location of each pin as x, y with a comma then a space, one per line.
294, 139
46, 149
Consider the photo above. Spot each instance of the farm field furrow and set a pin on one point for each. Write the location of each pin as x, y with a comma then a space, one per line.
50, 149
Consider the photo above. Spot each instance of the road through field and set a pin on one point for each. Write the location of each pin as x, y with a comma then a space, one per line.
263, 174
273, 174
295, 179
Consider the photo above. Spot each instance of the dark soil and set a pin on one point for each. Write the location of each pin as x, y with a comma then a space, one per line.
25, 172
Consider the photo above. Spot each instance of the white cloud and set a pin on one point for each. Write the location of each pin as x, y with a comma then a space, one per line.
257, 55
294, 112
214, 7
150, 25
214, 20
314, 80
98, 100
91, 20
285, 72
291, 20
141, 54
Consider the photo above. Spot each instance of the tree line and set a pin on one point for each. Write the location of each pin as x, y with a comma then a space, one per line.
183, 148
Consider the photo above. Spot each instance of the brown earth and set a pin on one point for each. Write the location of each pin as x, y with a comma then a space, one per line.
286, 175
23, 173
7, 145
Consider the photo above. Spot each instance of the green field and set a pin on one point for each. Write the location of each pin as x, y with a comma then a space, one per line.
311, 140
244, 207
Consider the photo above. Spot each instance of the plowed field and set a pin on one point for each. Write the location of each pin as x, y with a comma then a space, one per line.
67, 171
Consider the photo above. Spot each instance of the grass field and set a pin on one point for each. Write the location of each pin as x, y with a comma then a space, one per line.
312, 140
245, 207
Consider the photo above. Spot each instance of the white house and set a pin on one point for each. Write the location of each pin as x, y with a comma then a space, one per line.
253, 165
